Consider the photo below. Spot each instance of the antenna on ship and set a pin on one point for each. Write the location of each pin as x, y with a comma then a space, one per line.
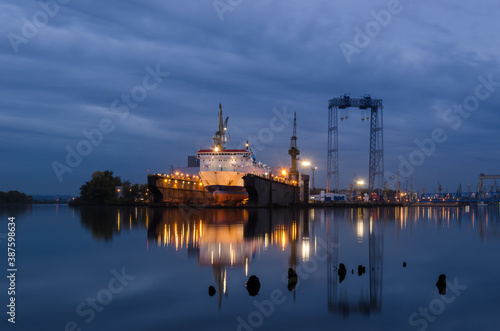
294, 151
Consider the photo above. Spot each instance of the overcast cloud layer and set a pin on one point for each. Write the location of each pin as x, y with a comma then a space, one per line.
62, 72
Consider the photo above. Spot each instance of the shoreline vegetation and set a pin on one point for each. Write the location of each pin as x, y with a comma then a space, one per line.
104, 189
14, 197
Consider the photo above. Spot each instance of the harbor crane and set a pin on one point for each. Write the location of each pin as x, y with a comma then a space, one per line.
376, 158
294, 151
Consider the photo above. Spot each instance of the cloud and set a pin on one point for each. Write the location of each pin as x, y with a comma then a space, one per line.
264, 55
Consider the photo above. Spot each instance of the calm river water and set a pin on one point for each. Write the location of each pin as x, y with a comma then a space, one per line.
115, 268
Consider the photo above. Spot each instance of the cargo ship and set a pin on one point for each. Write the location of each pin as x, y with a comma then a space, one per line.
222, 169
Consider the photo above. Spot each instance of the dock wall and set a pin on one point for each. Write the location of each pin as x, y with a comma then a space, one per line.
265, 192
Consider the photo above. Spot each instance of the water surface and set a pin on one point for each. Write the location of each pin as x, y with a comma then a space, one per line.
112, 268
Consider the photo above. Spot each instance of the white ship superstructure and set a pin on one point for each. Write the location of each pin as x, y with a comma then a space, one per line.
222, 170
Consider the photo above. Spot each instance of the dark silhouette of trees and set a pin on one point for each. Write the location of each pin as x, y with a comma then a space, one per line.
101, 189
106, 189
14, 197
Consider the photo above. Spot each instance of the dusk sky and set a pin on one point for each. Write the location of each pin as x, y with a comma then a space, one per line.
132, 86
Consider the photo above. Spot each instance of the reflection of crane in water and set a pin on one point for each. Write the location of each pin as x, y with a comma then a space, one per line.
294, 240
339, 302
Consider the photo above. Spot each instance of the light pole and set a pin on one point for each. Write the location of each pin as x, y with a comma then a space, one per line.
306, 165
312, 169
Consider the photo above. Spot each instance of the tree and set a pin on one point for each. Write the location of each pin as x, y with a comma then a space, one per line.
14, 197
130, 192
101, 189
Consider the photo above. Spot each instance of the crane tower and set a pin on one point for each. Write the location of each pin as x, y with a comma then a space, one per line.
376, 162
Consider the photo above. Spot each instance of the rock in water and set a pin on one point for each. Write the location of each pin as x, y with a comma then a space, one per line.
441, 284
292, 279
253, 285
211, 291
361, 270
342, 272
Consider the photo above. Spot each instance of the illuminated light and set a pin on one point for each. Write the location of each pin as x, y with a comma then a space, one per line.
283, 172
176, 173
360, 182
306, 163
216, 149
118, 190
165, 180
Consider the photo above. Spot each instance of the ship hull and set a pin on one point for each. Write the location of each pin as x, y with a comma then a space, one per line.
227, 194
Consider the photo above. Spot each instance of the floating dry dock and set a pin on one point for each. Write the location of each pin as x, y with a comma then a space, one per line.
178, 189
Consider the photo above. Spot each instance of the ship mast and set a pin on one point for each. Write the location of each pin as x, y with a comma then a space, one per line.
220, 135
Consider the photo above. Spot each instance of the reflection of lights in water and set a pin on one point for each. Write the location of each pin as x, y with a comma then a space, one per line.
212, 257
305, 249
224, 291
176, 237
182, 236
294, 231
266, 241
371, 224
165, 235
118, 220
360, 231
315, 245
231, 254
283, 239
246, 266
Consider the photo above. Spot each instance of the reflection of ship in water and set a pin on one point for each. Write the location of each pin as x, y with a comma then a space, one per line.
357, 296
230, 238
